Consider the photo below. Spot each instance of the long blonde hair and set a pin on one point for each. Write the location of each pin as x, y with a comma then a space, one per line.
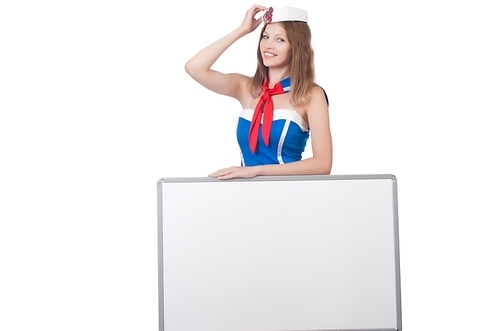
302, 73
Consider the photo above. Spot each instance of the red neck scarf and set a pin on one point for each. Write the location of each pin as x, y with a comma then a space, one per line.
264, 109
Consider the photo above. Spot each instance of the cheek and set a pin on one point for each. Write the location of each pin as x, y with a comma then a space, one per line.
262, 45
288, 53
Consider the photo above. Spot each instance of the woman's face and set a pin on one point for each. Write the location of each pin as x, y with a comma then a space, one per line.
275, 47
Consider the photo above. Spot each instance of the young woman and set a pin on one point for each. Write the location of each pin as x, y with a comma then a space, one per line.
282, 105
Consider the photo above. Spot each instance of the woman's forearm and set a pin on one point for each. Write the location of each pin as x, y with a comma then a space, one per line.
310, 166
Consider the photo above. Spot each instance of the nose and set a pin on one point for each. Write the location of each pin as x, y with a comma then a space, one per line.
267, 43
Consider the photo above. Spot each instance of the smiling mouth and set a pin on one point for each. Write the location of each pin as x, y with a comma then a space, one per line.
267, 54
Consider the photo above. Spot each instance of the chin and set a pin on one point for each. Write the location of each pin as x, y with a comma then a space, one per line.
271, 63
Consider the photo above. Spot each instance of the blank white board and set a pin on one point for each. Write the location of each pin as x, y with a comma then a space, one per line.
279, 253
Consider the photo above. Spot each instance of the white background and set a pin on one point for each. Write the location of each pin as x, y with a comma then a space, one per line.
96, 107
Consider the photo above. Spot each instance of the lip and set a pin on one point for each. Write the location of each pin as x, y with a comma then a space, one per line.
268, 54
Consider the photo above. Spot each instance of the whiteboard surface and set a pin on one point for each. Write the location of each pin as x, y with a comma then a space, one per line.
279, 253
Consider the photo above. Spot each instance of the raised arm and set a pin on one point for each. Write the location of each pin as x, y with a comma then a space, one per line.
199, 66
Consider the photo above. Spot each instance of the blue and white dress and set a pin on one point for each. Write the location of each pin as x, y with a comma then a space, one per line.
289, 135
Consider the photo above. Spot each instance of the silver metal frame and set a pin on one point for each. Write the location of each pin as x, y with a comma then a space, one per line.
163, 180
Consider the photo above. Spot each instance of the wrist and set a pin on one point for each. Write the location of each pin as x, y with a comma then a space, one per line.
241, 31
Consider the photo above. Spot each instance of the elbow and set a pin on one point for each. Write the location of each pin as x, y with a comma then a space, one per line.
322, 167
325, 167
192, 67
325, 170
193, 70
189, 68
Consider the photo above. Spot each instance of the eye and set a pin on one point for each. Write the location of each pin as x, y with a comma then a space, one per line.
265, 37
281, 40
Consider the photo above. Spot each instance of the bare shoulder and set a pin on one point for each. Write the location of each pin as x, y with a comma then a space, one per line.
319, 99
319, 92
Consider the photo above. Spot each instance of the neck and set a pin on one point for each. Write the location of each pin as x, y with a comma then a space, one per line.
275, 75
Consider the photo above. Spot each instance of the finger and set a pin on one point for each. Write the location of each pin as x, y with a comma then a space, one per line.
214, 174
226, 176
219, 172
257, 9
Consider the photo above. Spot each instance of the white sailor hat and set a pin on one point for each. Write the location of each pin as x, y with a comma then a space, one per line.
273, 15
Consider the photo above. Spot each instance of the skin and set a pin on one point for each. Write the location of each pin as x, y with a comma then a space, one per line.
276, 53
